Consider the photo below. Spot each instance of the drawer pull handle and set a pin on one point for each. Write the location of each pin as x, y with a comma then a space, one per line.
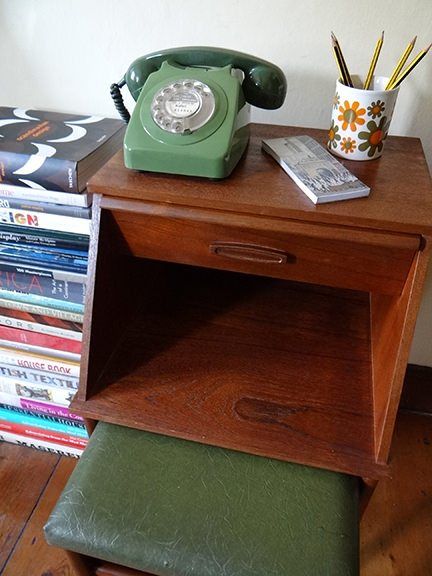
251, 253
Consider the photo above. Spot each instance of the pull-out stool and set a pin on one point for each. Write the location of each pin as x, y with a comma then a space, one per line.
171, 507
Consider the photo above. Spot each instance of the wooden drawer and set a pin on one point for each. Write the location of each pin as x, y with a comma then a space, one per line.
333, 256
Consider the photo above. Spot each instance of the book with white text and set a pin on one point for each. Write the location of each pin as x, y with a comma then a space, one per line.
42, 310
40, 324
40, 195
38, 444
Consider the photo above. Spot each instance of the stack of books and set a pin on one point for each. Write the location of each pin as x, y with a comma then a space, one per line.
45, 216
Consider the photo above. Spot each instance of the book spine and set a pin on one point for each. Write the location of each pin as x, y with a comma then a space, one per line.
40, 194
63, 172
19, 267
39, 407
42, 310
45, 257
42, 416
49, 364
30, 348
53, 424
41, 434
50, 238
72, 211
41, 340
42, 220
37, 392
41, 283
44, 301
25, 375
42, 445
23, 321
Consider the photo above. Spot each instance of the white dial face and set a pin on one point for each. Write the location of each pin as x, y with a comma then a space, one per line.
183, 103
183, 106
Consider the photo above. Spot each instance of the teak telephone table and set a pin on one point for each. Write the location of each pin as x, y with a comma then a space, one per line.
239, 314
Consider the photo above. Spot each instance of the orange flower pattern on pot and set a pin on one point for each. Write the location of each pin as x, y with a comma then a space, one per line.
351, 115
360, 120
348, 145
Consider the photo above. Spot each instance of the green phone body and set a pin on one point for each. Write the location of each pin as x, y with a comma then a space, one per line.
192, 110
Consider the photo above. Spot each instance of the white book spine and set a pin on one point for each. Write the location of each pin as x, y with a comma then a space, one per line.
45, 408
38, 444
38, 392
36, 362
40, 195
58, 354
26, 375
43, 220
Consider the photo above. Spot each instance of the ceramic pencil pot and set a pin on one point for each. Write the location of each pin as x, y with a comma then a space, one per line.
361, 119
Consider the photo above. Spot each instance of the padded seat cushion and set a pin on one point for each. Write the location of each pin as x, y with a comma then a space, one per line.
174, 508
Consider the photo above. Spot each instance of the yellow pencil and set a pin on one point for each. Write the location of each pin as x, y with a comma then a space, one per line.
340, 60
401, 63
409, 67
374, 61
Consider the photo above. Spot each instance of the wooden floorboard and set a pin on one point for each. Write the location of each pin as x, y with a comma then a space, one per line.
32, 556
395, 530
24, 474
397, 526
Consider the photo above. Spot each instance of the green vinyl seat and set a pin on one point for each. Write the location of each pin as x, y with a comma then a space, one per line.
172, 507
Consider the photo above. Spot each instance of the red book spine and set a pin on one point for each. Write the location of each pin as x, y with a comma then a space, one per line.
38, 339
41, 434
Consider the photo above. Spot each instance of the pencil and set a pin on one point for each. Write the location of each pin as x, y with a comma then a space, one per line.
401, 63
343, 69
409, 67
374, 61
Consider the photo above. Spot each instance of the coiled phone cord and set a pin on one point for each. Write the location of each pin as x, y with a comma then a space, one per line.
117, 97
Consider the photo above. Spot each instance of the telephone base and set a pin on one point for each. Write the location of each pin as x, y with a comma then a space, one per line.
195, 160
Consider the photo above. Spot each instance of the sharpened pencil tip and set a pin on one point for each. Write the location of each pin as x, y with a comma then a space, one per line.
382, 35
428, 48
413, 41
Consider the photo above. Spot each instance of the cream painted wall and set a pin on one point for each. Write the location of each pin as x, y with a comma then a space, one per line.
63, 55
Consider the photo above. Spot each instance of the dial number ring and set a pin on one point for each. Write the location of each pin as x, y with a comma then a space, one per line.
183, 106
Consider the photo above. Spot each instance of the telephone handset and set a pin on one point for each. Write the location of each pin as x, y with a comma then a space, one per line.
191, 115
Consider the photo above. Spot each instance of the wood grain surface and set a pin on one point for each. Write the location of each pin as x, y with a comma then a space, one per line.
23, 476
396, 527
400, 200
361, 260
226, 359
241, 363
31, 555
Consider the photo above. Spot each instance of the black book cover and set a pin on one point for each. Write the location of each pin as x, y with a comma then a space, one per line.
41, 284
41, 149
37, 237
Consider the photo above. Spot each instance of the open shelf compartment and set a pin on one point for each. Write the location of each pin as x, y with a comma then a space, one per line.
267, 366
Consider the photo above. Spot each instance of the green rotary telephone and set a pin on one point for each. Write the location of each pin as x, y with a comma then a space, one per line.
192, 112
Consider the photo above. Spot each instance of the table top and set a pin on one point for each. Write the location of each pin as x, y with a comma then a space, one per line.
400, 199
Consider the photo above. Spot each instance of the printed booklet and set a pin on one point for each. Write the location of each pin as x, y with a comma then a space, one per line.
319, 175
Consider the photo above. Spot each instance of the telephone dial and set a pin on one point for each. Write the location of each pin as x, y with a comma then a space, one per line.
192, 108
